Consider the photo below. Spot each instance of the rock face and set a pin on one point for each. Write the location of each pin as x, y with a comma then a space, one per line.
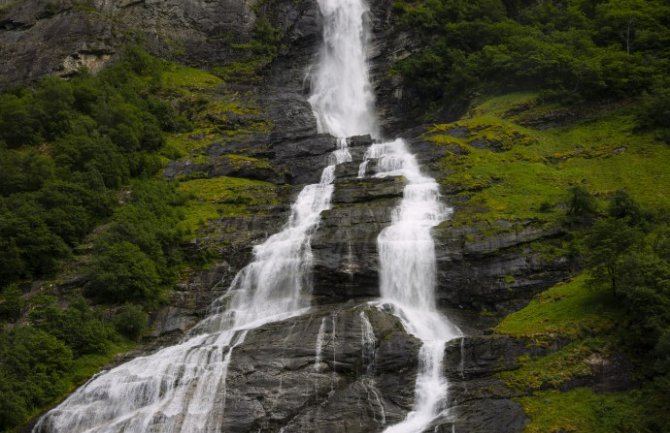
318, 373
40, 37
280, 377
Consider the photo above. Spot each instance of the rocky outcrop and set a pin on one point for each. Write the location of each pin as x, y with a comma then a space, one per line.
282, 377
495, 268
39, 37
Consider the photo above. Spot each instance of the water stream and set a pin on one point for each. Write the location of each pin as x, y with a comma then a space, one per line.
407, 278
176, 389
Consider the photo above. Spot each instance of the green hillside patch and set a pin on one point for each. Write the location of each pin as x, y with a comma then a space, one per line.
224, 197
582, 410
186, 80
567, 309
503, 170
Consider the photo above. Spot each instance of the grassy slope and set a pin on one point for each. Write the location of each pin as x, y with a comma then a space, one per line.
602, 154
529, 179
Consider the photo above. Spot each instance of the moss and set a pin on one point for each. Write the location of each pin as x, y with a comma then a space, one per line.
584, 411
558, 368
239, 161
536, 168
224, 196
182, 145
243, 71
567, 309
185, 80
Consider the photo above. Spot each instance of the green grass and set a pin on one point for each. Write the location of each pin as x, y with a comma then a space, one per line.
557, 368
582, 410
86, 366
567, 309
602, 155
185, 79
223, 196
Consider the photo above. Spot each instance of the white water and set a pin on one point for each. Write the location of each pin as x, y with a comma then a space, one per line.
342, 97
407, 278
319, 344
368, 344
174, 389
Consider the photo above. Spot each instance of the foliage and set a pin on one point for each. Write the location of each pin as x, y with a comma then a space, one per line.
123, 272
33, 365
68, 145
611, 49
75, 155
77, 325
11, 303
131, 321
582, 206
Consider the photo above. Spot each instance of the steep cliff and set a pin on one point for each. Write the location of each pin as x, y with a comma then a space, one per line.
505, 167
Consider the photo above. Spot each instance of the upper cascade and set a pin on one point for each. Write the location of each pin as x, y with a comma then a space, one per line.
342, 97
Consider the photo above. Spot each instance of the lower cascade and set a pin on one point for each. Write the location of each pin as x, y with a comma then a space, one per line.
182, 388
407, 277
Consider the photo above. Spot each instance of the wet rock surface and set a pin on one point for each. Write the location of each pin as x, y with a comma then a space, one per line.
277, 379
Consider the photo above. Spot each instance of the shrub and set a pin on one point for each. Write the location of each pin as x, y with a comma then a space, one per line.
131, 321
122, 272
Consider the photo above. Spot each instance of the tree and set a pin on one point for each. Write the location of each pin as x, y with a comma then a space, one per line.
131, 321
621, 205
608, 242
122, 272
582, 207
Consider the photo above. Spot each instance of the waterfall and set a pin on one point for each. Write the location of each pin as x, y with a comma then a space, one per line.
174, 390
368, 344
407, 278
181, 388
342, 96
319, 345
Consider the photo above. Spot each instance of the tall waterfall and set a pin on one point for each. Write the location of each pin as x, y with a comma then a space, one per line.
342, 96
174, 390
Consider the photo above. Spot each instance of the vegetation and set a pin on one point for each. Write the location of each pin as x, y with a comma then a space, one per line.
84, 209
593, 173
582, 50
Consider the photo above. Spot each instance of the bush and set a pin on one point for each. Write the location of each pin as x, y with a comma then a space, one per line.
131, 321
582, 208
95, 135
11, 303
122, 272
33, 370
77, 325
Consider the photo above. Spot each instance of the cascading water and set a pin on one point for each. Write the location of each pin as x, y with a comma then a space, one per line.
174, 390
342, 97
407, 278
319, 345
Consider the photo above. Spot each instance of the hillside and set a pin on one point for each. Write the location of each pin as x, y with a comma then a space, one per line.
138, 171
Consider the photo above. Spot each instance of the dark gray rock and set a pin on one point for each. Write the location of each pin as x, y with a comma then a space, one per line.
481, 270
345, 246
275, 382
